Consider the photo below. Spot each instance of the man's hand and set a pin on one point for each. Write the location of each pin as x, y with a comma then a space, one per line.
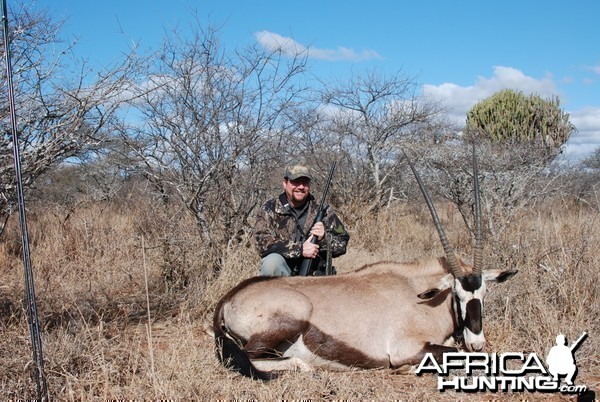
310, 250
318, 230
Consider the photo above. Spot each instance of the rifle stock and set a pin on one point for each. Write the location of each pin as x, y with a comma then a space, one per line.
307, 262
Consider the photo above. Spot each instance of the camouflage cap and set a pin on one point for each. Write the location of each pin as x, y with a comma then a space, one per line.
294, 172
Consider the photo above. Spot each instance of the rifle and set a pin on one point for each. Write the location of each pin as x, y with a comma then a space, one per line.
576, 344
307, 262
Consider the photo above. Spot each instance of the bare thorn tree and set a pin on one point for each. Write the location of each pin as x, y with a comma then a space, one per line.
371, 115
210, 128
57, 118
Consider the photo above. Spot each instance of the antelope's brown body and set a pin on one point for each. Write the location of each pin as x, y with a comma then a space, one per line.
369, 318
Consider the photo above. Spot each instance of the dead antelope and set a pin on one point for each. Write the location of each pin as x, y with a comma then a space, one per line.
383, 315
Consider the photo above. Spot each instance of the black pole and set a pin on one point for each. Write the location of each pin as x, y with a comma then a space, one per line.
34, 326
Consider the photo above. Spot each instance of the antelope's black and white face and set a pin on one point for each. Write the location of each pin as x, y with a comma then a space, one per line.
469, 293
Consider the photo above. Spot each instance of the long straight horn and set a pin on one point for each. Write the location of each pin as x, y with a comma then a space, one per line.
456, 271
478, 252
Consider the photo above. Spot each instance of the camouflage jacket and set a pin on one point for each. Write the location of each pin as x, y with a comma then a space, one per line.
277, 230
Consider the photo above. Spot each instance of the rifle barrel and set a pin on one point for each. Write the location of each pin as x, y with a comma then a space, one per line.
307, 262
579, 340
329, 178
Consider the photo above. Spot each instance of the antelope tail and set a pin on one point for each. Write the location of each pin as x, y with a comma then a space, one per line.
230, 354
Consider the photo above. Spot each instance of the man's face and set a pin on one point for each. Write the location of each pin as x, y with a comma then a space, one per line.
297, 190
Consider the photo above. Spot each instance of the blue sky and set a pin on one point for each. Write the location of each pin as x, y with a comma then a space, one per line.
459, 51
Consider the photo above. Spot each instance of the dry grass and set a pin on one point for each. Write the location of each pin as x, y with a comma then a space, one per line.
91, 289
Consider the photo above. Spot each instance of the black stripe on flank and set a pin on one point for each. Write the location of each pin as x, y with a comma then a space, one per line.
335, 350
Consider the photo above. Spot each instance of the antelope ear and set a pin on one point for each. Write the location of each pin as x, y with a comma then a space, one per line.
498, 276
429, 294
444, 283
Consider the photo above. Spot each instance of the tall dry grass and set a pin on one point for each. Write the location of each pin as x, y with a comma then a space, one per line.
90, 275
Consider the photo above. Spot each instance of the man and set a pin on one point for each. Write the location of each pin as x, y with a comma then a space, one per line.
560, 360
283, 229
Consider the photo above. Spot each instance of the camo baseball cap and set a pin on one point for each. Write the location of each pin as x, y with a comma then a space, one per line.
296, 171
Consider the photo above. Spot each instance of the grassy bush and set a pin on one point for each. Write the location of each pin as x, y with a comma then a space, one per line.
91, 263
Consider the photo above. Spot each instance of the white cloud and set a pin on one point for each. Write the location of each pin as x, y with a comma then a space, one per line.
586, 119
276, 42
587, 138
459, 100
273, 41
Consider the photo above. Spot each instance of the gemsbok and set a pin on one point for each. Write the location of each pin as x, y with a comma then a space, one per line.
383, 315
